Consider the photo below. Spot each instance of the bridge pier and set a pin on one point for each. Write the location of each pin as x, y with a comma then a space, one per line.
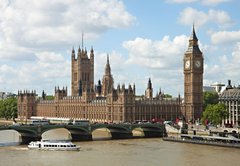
81, 137
28, 139
118, 135
151, 134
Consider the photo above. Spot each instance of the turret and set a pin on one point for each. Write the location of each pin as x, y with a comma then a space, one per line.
107, 67
118, 88
79, 53
134, 89
149, 90
123, 87
60, 94
107, 81
91, 53
229, 86
149, 84
73, 54
26, 104
130, 89
99, 88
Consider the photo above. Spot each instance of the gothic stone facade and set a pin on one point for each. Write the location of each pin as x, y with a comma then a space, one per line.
104, 103
119, 106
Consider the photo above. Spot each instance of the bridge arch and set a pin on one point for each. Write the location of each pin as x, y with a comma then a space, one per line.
56, 134
101, 134
117, 131
84, 132
138, 132
79, 132
150, 130
27, 133
10, 136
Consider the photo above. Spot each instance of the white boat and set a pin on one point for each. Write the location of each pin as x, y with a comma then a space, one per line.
59, 145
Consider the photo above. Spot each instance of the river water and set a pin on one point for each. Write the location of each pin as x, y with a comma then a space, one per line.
131, 152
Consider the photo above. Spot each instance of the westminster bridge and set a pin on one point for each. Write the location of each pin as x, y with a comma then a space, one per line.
84, 132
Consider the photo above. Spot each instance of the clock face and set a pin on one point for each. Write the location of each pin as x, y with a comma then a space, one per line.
197, 63
187, 64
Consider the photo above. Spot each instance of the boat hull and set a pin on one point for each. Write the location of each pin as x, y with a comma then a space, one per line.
202, 142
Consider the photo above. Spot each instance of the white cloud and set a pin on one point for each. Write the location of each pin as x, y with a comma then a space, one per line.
161, 60
36, 35
204, 2
181, 1
44, 73
225, 37
46, 24
213, 2
232, 66
157, 54
224, 67
190, 15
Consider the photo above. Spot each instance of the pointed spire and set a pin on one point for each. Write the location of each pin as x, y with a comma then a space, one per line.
82, 40
92, 53
149, 83
107, 67
193, 35
107, 59
193, 43
134, 88
73, 51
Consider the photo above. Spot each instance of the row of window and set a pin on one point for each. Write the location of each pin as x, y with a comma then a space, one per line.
62, 146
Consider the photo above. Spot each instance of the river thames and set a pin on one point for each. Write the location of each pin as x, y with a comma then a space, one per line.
131, 152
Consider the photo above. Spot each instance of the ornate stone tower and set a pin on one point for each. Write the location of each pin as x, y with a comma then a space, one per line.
26, 104
82, 72
107, 81
60, 94
149, 90
193, 79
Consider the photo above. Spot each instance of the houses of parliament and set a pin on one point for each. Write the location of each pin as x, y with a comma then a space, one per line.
104, 102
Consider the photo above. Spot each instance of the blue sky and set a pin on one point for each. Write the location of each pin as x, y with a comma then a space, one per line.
143, 39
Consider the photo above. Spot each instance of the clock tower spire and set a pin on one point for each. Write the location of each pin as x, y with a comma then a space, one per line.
193, 79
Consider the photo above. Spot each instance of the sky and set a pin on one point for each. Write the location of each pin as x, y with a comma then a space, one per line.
144, 39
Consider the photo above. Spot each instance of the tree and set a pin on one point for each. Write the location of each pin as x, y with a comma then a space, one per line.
167, 96
8, 108
49, 97
209, 98
214, 113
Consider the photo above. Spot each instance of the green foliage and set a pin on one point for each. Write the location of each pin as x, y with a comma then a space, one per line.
214, 113
50, 97
8, 108
209, 98
167, 96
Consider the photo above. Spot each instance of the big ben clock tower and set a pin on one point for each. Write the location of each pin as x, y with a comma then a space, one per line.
193, 80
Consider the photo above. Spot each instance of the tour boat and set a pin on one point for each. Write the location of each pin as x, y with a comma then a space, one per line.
60, 145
